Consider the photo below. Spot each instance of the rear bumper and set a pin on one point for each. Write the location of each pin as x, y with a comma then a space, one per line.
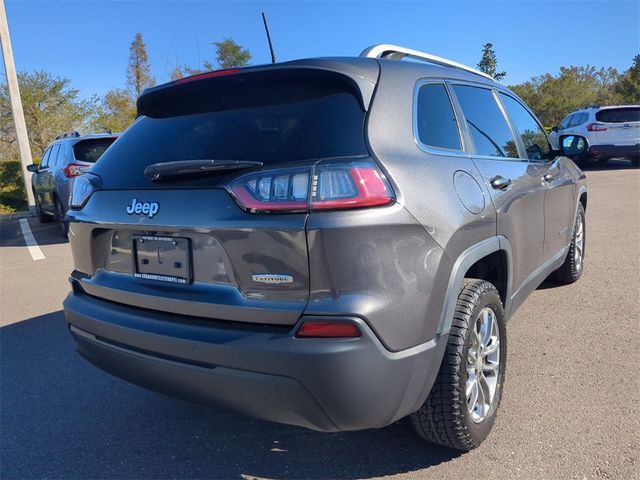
262, 371
611, 151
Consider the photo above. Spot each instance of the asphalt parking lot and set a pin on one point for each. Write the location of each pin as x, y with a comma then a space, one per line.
570, 409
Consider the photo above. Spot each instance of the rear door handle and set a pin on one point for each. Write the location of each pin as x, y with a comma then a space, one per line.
548, 177
500, 183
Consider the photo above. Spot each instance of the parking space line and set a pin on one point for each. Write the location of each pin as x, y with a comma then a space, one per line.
30, 240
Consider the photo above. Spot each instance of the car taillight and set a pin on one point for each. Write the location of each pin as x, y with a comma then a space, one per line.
328, 330
82, 189
324, 186
73, 170
202, 76
596, 127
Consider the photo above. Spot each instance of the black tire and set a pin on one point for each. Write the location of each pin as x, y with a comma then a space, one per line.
444, 418
60, 218
571, 270
42, 217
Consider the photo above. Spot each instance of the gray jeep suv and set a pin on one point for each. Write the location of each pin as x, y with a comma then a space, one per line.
334, 243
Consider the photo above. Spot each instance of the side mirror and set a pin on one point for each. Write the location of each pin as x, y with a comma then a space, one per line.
554, 129
573, 146
33, 168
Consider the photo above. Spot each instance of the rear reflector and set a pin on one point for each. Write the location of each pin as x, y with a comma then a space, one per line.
326, 186
328, 330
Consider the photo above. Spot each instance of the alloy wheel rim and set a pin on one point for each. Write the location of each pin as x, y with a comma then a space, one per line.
483, 365
579, 244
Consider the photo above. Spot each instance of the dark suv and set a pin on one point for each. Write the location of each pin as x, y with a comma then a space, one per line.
68, 156
333, 243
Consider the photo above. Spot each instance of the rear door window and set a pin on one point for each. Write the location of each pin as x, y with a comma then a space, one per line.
578, 119
91, 150
619, 115
487, 126
533, 137
435, 119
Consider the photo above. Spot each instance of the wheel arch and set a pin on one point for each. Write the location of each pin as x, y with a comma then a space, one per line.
488, 260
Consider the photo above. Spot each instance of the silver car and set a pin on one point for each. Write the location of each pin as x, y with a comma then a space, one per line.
334, 243
68, 156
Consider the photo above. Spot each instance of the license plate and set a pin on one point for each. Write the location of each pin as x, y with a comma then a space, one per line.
165, 259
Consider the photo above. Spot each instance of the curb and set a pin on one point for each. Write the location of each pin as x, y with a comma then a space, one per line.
16, 215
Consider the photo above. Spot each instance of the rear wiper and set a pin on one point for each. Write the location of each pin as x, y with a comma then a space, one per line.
158, 172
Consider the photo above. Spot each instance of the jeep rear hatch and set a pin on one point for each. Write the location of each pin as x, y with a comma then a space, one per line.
180, 241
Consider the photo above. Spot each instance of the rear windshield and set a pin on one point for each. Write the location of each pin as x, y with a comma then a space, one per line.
619, 115
301, 125
91, 150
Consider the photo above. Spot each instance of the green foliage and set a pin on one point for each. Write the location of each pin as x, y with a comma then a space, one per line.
231, 55
489, 62
51, 106
553, 97
228, 55
116, 111
628, 87
138, 71
12, 194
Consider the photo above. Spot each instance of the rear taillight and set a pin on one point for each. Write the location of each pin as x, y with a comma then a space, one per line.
202, 76
82, 189
73, 170
324, 186
596, 127
339, 329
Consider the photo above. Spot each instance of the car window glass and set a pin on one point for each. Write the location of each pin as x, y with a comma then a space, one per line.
532, 135
436, 122
44, 162
619, 115
53, 158
488, 128
577, 119
62, 153
565, 123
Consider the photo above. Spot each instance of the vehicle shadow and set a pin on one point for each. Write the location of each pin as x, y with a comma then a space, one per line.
44, 233
63, 418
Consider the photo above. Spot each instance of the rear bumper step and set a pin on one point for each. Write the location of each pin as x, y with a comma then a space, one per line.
262, 371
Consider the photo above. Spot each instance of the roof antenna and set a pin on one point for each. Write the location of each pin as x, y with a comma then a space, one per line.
266, 28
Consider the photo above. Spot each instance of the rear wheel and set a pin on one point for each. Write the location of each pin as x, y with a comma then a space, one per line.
571, 269
463, 403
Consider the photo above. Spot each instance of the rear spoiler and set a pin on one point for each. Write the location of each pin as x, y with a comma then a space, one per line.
194, 94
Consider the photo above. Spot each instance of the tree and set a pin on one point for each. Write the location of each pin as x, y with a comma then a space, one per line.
628, 86
489, 63
116, 111
51, 107
138, 71
552, 97
230, 55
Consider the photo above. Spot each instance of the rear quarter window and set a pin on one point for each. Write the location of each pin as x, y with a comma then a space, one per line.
619, 115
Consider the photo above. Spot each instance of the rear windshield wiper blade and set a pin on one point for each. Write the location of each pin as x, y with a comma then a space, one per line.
160, 171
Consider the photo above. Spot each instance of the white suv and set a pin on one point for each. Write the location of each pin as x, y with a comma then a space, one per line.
610, 132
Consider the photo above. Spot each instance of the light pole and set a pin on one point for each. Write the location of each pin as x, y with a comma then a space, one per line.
16, 103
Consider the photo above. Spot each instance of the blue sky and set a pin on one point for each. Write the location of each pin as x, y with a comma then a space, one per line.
88, 41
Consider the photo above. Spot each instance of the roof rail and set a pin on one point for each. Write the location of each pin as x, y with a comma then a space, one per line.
395, 52
67, 135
